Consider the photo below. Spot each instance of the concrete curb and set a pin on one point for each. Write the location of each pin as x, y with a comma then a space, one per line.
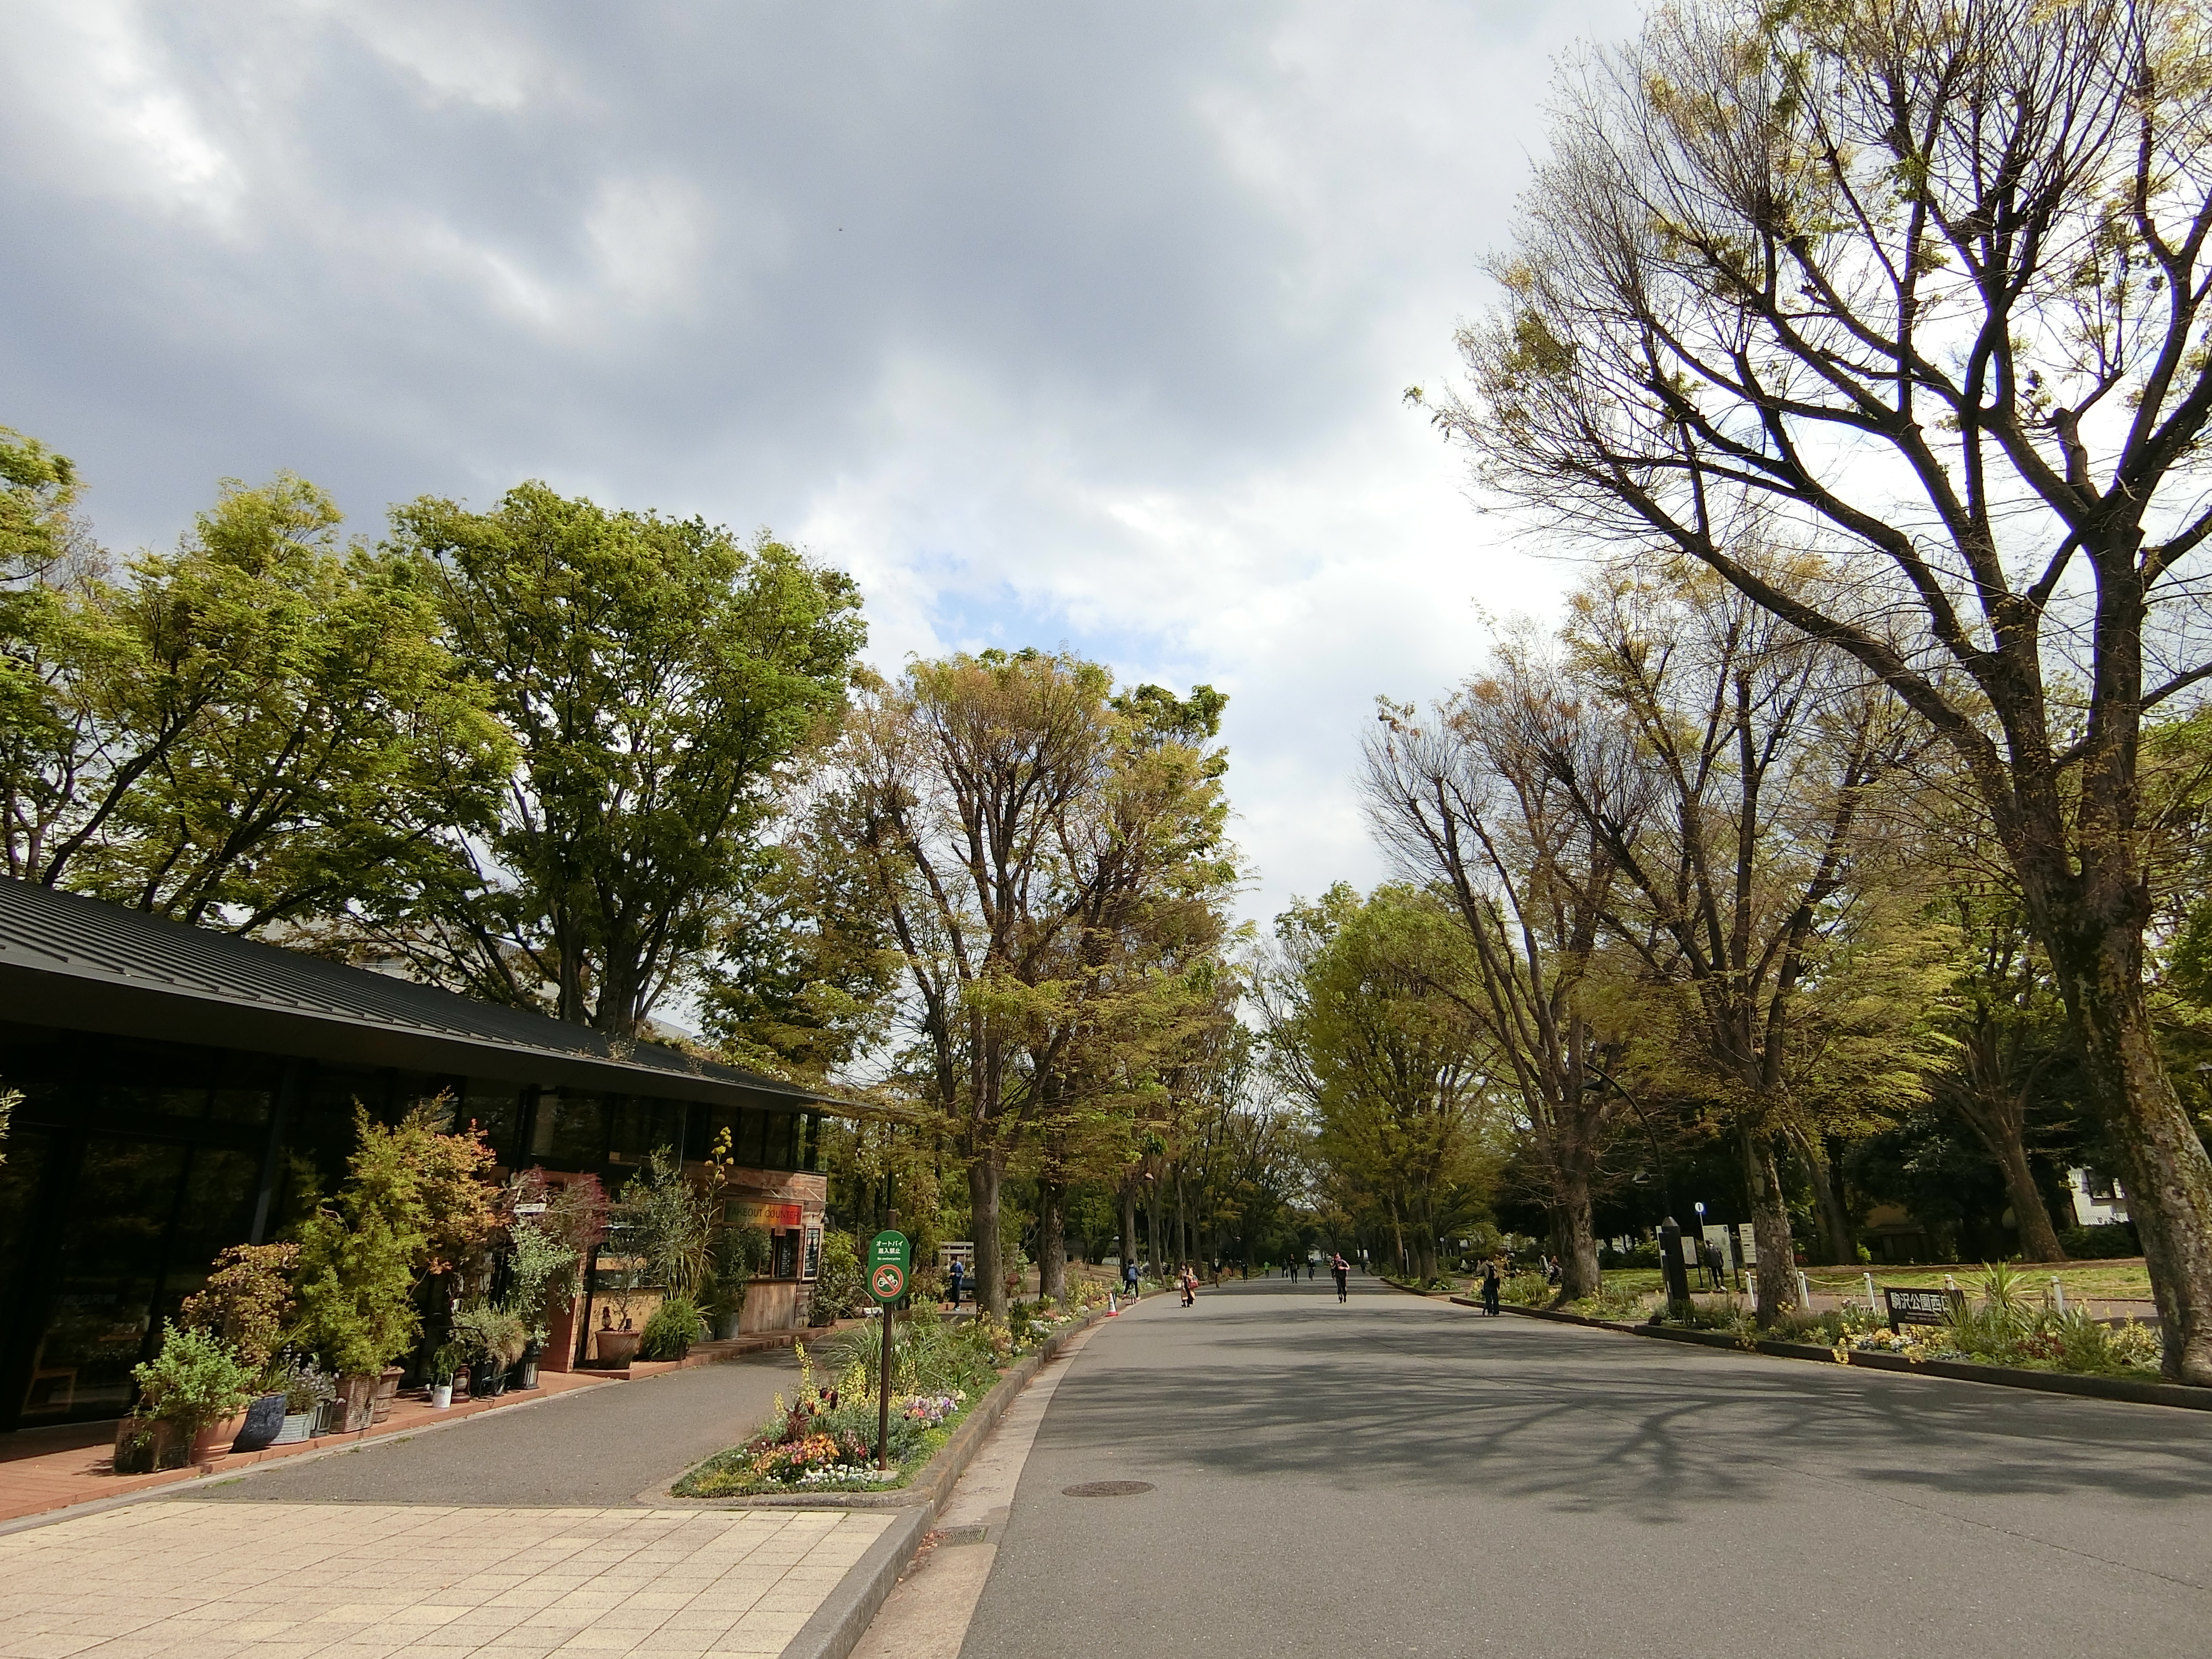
838, 1623
836, 1627
2181, 1396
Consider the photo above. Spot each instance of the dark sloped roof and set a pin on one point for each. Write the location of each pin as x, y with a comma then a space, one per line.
85, 965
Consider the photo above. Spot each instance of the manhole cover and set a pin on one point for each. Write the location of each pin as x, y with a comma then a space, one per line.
1107, 1489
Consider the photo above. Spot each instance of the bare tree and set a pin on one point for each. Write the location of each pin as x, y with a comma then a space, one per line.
1733, 822
1924, 281
1467, 799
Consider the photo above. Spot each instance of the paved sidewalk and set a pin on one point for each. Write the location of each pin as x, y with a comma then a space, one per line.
54, 1468
288, 1581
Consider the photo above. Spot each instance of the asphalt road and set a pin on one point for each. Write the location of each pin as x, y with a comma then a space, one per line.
592, 1448
1395, 1476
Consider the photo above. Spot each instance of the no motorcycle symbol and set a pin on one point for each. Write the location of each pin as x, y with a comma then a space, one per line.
888, 1281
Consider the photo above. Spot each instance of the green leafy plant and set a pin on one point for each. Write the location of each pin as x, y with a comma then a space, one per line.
741, 1254
839, 1286
195, 1381
246, 1300
413, 1202
667, 1223
676, 1324
494, 1332
542, 1274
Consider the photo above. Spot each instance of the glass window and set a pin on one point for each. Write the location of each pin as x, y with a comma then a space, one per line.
708, 1124
752, 1130
158, 1080
641, 1126
786, 1255
495, 1108
40, 1063
245, 1088
809, 1152
570, 1131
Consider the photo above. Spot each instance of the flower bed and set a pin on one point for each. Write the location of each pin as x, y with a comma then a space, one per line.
2005, 1328
825, 1440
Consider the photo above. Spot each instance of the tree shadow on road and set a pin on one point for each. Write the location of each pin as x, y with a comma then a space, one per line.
1593, 1420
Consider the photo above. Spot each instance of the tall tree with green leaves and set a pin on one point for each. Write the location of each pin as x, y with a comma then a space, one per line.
260, 726
1924, 288
1371, 1022
661, 680
1012, 817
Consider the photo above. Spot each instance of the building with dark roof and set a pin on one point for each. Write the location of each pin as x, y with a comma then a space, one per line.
184, 1090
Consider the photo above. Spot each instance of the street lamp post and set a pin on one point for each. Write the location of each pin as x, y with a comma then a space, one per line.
1671, 1268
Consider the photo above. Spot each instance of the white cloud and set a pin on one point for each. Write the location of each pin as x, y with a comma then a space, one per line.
1053, 326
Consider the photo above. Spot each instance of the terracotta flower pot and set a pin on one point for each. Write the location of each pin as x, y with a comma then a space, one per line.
617, 1347
213, 1441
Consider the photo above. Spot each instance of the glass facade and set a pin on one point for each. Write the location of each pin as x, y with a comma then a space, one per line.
129, 1164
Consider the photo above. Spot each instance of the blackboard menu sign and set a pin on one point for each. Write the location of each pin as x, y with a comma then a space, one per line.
1920, 1307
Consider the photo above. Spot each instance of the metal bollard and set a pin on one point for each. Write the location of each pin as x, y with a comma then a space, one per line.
1870, 1288
2058, 1295
1804, 1294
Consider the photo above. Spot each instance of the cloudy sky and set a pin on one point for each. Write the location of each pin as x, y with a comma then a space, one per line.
1062, 324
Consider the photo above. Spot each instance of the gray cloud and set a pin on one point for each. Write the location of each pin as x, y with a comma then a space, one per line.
1053, 324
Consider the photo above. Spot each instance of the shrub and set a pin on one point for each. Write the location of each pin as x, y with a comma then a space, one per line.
495, 1333
2100, 1243
196, 1380
676, 1324
542, 1272
840, 1287
669, 1225
246, 1301
1528, 1291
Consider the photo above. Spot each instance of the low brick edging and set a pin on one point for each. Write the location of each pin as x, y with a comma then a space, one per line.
2128, 1390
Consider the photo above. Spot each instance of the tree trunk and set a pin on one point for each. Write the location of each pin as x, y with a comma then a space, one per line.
1579, 1273
1835, 1247
983, 1205
1052, 1241
1424, 1256
1776, 1269
2168, 1174
2038, 1239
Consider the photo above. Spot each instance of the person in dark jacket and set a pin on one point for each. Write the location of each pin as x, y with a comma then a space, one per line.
1342, 1270
959, 1276
1490, 1288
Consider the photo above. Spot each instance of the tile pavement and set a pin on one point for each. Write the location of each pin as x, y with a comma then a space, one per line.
363, 1581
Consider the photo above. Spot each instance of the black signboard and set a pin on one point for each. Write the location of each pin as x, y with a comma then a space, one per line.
1922, 1307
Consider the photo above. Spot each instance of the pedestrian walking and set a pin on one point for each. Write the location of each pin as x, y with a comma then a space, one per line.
959, 1274
1189, 1282
1490, 1288
1342, 1269
1129, 1278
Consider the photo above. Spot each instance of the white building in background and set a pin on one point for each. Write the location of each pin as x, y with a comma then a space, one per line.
2099, 1200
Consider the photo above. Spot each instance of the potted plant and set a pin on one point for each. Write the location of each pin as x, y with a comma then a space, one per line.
542, 1272
741, 1254
196, 1383
674, 1326
407, 1196
443, 1364
306, 1391
246, 1302
495, 1339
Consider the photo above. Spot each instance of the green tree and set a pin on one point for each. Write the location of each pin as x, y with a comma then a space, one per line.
260, 726
660, 679
1006, 813
1363, 1025
1924, 284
